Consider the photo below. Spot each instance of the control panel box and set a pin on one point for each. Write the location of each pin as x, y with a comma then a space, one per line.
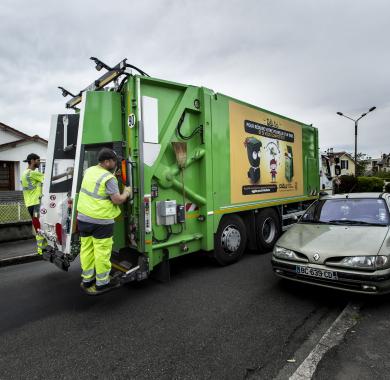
166, 213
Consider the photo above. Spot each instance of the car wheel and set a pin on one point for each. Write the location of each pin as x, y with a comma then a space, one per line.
267, 229
230, 240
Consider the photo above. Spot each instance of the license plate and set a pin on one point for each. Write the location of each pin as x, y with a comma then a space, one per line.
313, 272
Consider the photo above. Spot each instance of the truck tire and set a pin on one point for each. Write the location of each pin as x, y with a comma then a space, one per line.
230, 240
267, 229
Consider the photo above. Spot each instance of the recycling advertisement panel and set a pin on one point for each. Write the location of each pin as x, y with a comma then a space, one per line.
265, 155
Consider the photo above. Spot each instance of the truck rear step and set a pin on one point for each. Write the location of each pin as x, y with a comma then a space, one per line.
128, 266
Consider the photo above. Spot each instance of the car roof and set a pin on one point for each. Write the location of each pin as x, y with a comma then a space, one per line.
358, 196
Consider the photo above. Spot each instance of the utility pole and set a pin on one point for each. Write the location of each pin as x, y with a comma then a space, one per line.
356, 130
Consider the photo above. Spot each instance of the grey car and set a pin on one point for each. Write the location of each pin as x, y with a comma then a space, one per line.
342, 242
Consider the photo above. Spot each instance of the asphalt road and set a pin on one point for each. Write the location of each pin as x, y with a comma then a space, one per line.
209, 322
364, 353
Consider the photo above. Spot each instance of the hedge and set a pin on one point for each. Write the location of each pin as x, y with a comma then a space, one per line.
351, 184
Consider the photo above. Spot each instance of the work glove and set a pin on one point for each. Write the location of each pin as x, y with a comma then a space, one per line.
69, 171
128, 190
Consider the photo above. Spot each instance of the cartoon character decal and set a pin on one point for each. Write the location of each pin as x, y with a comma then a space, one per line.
253, 146
274, 151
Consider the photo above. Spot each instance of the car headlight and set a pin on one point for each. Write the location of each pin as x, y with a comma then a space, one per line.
284, 253
365, 262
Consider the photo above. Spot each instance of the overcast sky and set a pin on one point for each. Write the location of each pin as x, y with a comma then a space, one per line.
305, 59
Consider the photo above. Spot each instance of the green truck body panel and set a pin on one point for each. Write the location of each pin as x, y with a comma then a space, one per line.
204, 186
102, 117
102, 124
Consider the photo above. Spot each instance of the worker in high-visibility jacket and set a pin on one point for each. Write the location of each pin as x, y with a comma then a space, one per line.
32, 181
97, 208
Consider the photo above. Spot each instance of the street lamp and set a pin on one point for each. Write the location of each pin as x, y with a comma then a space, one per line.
356, 125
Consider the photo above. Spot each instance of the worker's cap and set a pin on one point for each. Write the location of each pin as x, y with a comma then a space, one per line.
31, 156
107, 154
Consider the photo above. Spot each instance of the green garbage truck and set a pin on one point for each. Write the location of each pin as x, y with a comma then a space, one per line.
208, 172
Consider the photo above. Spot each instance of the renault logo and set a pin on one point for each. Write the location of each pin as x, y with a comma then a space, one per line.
316, 256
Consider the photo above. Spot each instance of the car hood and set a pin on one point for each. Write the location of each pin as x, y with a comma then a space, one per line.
333, 240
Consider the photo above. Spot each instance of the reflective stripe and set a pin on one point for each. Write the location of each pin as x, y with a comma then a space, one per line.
32, 187
41, 244
103, 278
41, 241
88, 274
99, 181
102, 275
96, 189
88, 278
93, 195
29, 186
93, 200
29, 183
101, 282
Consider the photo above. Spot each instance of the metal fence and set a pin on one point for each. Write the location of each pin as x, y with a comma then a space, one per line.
13, 212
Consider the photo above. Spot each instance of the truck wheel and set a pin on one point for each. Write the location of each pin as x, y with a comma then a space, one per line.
230, 240
267, 229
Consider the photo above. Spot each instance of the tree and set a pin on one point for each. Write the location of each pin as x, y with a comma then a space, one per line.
362, 161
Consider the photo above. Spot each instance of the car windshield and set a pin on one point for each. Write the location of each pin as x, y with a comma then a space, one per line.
369, 211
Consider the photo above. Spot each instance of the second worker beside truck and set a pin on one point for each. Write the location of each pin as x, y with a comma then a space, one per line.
97, 208
32, 181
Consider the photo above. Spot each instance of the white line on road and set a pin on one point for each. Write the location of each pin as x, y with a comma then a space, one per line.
331, 338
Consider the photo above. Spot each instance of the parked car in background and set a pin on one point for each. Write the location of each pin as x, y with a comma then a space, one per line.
341, 241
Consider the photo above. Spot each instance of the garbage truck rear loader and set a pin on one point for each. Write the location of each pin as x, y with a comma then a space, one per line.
208, 172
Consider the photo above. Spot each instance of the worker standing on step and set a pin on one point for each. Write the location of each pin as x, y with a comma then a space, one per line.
97, 208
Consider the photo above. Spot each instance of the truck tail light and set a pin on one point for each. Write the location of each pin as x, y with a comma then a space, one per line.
124, 171
59, 233
36, 223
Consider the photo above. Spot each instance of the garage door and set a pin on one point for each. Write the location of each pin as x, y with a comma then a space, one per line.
7, 180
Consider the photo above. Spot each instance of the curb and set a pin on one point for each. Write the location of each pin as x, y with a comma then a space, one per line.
334, 335
20, 260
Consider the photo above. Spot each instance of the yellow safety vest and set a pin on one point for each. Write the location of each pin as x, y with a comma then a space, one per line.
32, 187
93, 200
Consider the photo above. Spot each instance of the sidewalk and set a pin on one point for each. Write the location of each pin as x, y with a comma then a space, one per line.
365, 351
18, 252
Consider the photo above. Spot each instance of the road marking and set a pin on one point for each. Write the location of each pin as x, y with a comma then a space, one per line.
331, 338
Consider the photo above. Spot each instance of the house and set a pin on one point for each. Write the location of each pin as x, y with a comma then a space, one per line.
346, 162
377, 165
344, 159
372, 166
325, 173
329, 160
14, 148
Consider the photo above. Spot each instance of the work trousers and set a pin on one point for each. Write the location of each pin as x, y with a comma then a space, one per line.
40, 240
96, 247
